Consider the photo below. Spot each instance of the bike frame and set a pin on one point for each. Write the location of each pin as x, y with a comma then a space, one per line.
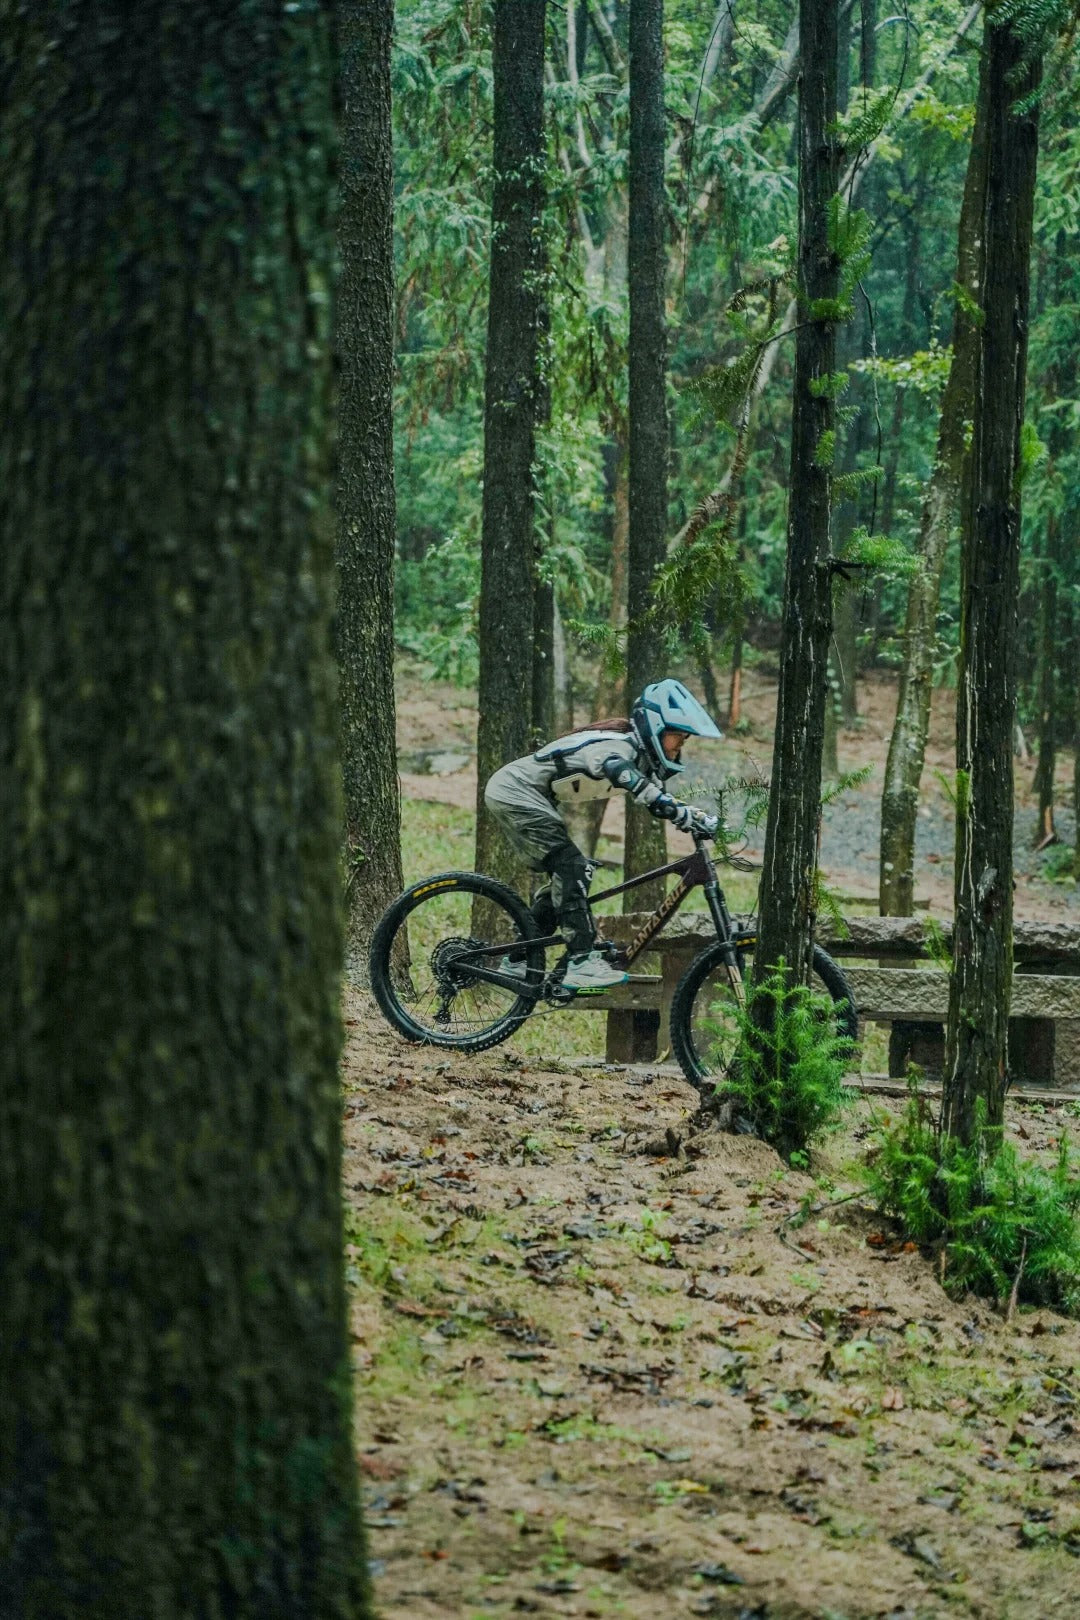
696, 871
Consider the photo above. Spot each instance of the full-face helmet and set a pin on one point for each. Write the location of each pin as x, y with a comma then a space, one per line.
668, 706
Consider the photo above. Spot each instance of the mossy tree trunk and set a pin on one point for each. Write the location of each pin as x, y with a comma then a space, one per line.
907, 745
365, 495
513, 404
981, 982
175, 1429
648, 445
791, 833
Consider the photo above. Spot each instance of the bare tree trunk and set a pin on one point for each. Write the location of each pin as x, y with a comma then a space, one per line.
365, 494
611, 695
513, 402
791, 834
543, 669
868, 42
981, 981
176, 1433
907, 746
1044, 830
735, 690
645, 846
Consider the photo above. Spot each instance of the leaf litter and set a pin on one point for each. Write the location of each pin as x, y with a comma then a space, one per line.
746, 1431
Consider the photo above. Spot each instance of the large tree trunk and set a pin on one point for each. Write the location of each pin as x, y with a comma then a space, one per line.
907, 746
787, 888
513, 401
175, 1429
981, 982
645, 846
365, 496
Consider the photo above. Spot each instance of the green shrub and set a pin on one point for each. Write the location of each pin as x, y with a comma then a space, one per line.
1002, 1226
787, 1080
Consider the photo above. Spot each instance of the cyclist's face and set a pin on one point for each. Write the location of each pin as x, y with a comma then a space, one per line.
672, 743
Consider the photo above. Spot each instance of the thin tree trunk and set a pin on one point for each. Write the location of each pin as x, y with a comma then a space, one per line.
907, 746
1044, 830
543, 693
981, 981
611, 697
563, 675
365, 492
175, 1426
868, 43
513, 400
791, 834
735, 690
1074, 663
645, 846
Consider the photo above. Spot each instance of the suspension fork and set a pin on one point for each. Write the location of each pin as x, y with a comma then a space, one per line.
721, 916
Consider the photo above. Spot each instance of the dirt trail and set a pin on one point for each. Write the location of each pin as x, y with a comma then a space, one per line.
600, 1381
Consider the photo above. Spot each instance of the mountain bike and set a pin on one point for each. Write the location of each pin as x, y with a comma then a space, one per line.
440, 984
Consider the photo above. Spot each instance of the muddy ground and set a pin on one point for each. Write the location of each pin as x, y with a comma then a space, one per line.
602, 1371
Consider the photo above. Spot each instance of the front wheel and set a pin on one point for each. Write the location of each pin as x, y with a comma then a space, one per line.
704, 1015
425, 952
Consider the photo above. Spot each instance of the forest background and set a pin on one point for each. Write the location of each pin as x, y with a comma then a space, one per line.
731, 212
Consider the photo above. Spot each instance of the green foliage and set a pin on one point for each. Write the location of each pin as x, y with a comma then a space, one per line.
936, 948
849, 233
865, 119
1001, 1225
704, 575
825, 449
732, 188
926, 371
879, 555
788, 1076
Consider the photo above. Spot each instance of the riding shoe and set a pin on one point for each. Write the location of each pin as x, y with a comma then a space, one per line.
592, 972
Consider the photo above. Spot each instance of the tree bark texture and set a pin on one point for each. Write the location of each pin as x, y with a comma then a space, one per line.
513, 403
791, 833
175, 1430
611, 695
365, 493
868, 43
975, 1058
543, 667
648, 438
907, 745
1044, 831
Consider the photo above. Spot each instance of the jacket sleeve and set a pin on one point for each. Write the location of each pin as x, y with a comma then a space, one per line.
622, 774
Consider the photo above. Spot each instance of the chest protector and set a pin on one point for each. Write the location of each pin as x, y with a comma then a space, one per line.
578, 760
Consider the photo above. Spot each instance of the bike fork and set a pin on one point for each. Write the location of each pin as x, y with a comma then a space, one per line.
722, 919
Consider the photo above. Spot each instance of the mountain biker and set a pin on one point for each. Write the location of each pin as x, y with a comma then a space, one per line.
636, 757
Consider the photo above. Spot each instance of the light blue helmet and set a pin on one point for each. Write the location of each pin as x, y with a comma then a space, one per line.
664, 706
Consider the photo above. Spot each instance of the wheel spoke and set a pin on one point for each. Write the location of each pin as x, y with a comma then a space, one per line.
440, 998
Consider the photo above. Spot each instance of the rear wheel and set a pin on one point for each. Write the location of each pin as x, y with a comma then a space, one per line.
704, 1017
439, 999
